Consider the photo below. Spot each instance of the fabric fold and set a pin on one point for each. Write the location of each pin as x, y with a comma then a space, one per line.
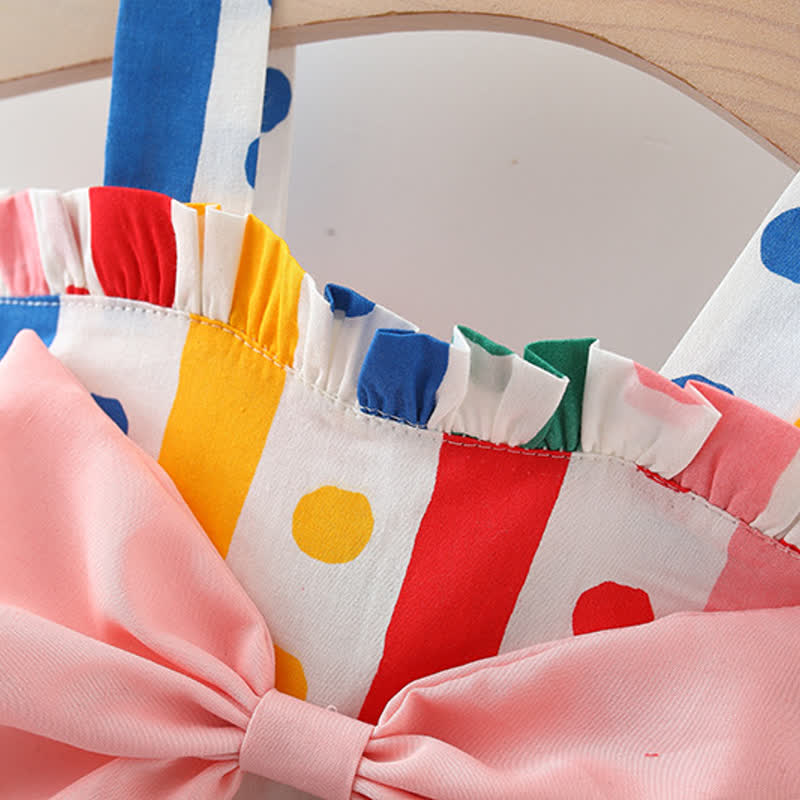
490, 393
634, 413
748, 465
401, 374
187, 274
337, 328
567, 357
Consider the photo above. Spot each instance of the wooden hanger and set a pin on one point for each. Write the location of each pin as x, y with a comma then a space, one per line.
739, 57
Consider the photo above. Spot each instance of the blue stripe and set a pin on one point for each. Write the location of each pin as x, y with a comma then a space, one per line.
163, 61
340, 298
40, 314
401, 374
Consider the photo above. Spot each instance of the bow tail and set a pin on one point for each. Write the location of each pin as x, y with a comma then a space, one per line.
692, 705
178, 779
129, 655
47, 766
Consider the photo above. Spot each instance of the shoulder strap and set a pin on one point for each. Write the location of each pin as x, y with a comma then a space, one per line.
188, 103
746, 340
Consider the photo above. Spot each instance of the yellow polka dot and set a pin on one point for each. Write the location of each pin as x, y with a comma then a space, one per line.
290, 678
332, 525
797, 422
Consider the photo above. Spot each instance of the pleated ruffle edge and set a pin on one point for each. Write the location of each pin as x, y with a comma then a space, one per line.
564, 395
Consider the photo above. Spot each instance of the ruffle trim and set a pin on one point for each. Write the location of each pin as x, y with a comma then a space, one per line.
558, 395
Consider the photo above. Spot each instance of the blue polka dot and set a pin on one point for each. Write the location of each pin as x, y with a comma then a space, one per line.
780, 245
701, 379
277, 99
251, 162
114, 409
343, 299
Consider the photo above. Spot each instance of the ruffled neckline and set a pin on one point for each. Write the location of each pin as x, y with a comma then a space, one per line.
558, 395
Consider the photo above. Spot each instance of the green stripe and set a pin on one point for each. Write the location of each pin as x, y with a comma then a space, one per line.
562, 357
482, 341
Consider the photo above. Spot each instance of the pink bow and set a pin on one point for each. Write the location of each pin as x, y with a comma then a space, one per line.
133, 665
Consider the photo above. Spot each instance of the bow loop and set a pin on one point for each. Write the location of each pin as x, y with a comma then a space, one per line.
305, 746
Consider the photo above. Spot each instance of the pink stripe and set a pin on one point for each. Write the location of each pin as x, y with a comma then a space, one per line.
20, 262
760, 573
658, 383
742, 458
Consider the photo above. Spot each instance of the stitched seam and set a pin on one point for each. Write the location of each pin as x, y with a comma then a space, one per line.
660, 479
13, 301
114, 303
245, 340
118, 304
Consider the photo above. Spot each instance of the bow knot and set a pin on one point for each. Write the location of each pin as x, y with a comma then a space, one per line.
303, 745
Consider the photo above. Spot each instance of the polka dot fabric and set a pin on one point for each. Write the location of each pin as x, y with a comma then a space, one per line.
741, 340
396, 505
201, 106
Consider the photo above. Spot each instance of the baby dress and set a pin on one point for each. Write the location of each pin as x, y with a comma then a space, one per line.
397, 507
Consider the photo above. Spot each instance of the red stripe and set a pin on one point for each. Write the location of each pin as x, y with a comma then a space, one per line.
133, 244
659, 479
472, 553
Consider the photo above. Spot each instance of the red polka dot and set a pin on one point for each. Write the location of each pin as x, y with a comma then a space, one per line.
610, 605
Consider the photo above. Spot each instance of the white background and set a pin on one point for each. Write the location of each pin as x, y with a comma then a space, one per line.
524, 187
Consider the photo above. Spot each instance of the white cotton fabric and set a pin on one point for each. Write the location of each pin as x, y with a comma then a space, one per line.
271, 203
331, 347
314, 442
222, 247
781, 516
59, 256
623, 417
233, 120
126, 350
748, 334
499, 398
78, 207
188, 265
613, 523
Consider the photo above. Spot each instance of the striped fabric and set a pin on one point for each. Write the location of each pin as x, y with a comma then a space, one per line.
396, 505
199, 110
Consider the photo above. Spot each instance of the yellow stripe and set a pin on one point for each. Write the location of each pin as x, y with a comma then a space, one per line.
228, 392
290, 677
267, 291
